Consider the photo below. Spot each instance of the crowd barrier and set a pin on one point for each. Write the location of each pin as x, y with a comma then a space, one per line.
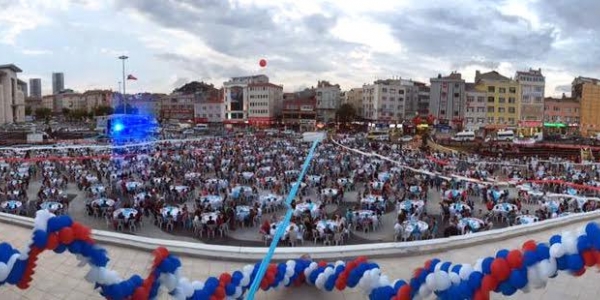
505, 272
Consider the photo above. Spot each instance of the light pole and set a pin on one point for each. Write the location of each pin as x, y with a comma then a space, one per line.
123, 58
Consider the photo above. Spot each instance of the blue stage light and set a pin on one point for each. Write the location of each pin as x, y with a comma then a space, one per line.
118, 127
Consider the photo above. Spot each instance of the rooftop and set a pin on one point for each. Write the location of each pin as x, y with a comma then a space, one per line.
11, 67
492, 76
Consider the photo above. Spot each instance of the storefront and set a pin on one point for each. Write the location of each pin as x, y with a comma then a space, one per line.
554, 129
529, 128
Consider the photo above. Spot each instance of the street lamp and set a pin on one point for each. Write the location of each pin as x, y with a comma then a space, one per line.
123, 58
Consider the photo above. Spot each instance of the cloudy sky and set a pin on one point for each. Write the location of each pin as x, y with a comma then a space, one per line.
349, 42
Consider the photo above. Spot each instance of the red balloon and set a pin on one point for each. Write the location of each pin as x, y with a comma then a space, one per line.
481, 295
220, 292
489, 283
500, 269
404, 292
529, 245
66, 235
589, 258
515, 259
140, 294
225, 278
262, 63
264, 285
340, 285
52, 241
322, 263
417, 272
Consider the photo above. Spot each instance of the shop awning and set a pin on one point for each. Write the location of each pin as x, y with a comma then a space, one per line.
530, 124
554, 125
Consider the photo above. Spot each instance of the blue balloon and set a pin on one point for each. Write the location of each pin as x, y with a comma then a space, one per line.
446, 266
76, 247
456, 268
507, 289
542, 251
475, 280
6, 251
592, 230
98, 257
518, 279
486, 265
555, 239
40, 239
583, 243
530, 258
230, 289
561, 263
16, 273
211, 285
399, 284
60, 249
502, 253
434, 262
58, 223
574, 262
330, 283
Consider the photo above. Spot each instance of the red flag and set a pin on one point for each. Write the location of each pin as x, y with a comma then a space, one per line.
131, 77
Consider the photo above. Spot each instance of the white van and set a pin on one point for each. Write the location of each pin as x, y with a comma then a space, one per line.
505, 135
464, 136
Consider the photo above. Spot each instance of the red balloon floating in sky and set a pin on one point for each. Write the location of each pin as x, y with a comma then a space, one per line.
262, 63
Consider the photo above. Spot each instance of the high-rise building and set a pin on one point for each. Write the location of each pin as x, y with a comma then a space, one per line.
328, 101
587, 90
58, 83
35, 88
533, 84
447, 98
12, 98
252, 100
502, 98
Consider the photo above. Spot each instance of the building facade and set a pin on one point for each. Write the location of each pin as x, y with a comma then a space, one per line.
532, 85
300, 113
12, 99
420, 104
328, 101
35, 88
475, 108
562, 110
58, 83
502, 98
23, 87
587, 91
354, 97
252, 100
447, 98
385, 100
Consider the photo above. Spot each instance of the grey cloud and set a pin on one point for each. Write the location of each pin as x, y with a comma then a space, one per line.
563, 88
206, 70
570, 15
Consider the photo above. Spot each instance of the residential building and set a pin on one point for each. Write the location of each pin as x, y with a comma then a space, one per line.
587, 90
328, 101
447, 98
354, 98
475, 108
22, 85
147, 103
502, 98
48, 102
384, 100
252, 100
193, 101
210, 109
12, 98
58, 83
35, 88
300, 113
33, 103
419, 105
562, 110
532, 85
68, 100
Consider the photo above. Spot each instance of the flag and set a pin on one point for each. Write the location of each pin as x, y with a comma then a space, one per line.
131, 77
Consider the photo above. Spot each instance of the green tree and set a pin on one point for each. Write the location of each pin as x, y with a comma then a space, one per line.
346, 113
43, 113
28, 110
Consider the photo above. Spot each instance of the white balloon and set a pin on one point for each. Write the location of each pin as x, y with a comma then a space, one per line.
186, 287
557, 250
454, 278
238, 292
534, 277
245, 280
424, 292
41, 220
197, 285
544, 269
93, 275
465, 271
438, 266
286, 281
526, 289
384, 280
320, 282
478, 264
569, 242
430, 281
248, 269
442, 281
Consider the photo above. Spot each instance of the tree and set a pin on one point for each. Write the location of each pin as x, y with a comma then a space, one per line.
346, 113
28, 110
103, 110
65, 111
43, 113
78, 115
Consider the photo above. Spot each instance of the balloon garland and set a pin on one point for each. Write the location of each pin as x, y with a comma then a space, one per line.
506, 272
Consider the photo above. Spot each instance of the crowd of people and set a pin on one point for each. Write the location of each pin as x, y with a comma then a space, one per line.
212, 187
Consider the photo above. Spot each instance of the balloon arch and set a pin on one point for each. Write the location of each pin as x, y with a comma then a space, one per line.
506, 272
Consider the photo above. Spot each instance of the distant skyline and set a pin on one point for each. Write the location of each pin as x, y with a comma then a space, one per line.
349, 42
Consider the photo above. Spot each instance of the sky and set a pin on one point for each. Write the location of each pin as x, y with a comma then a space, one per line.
349, 42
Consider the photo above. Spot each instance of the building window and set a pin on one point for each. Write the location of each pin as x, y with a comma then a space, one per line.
470, 99
512, 90
456, 113
401, 92
491, 89
502, 90
501, 100
490, 99
511, 120
511, 100
490, 109
481, 109
511, 110
442, 112
556, 108
456, 95
480, 99
538, 100
501, 120
501, 110
490, 120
